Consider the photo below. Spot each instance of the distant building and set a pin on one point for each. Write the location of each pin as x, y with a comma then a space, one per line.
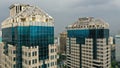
28, 39
88, 44
117, 52
0, 36
63, 38
111, 40
57, 42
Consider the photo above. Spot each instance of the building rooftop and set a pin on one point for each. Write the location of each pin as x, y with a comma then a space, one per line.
89, 22
27, 13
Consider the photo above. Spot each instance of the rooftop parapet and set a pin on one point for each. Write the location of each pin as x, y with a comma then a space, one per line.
89, 23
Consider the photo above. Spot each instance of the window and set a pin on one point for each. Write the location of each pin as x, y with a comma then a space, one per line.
55, 56
39, 66
52, 57
52, 50
25, 53
35, 53
14, 59
14, 52
48, 65
32, 53
55, 50
55, 63
14, 66
29, 62
33, 61
29, 54
23, 19
33, 18
51, 64
47, 20
20, 8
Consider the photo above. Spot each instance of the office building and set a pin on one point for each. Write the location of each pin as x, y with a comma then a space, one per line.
28, 38
88, 44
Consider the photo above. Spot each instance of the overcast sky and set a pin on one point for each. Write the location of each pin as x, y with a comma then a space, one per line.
66, 12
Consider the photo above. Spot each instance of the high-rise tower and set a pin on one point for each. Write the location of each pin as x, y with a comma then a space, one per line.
28, 38
88, 44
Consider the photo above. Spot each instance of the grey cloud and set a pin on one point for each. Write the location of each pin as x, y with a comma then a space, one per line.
67, 11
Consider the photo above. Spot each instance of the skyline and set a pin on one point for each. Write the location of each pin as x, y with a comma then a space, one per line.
29, 40
65, 12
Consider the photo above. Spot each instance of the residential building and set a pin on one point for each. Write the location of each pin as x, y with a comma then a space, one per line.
28, 38
88, 44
